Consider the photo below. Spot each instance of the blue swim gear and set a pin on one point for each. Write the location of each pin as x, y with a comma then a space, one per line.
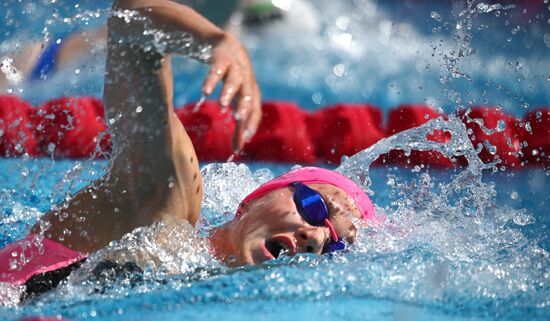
47, 60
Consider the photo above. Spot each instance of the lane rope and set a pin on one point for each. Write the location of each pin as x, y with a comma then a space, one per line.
75, 127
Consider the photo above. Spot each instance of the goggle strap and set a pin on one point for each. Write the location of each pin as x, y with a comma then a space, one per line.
331, 230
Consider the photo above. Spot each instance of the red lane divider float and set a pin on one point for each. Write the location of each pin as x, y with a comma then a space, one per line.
75, 128
70, 127
16, 136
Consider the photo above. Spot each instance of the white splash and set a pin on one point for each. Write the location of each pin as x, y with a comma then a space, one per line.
12, 74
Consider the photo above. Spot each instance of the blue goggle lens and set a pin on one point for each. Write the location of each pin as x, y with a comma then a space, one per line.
310, 204
314, 211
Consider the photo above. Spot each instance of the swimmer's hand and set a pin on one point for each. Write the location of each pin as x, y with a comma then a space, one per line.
231, 64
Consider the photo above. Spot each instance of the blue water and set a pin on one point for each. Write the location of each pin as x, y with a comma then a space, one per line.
379, 285
436, 259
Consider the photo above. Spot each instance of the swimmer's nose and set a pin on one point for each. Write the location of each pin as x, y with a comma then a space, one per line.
310, 239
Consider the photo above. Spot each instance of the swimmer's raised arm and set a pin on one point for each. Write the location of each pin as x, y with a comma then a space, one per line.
154, 172
229, 60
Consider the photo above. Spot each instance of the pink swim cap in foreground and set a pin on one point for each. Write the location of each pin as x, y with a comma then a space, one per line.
318, 175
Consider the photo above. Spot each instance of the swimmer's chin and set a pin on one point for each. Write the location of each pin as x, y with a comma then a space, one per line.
252, 255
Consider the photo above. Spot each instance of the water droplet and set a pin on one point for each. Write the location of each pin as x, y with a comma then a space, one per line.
13, 265
51, 148
199, 103
339, 70
342, 22
317, 98
501, 125
523, 219
435, 15
490, 147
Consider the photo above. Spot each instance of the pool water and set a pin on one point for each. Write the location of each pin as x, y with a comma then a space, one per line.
464, 244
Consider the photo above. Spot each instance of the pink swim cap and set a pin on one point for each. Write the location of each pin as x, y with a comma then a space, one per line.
47, 257
318, 175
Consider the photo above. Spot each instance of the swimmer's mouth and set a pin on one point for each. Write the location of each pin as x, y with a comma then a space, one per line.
275, 248
280, 244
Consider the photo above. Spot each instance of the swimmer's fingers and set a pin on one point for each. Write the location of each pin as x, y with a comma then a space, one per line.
247, 114
215, 74
232, 84
231, 63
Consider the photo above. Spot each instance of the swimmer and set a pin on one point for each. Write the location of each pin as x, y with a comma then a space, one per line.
33, 63
154, 173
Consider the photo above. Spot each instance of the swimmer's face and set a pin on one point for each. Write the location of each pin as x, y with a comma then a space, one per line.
271, 225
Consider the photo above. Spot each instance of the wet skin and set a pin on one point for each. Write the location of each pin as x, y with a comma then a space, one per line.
154, 174
272, 222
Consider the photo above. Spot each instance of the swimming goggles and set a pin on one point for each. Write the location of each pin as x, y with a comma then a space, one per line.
314, 211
